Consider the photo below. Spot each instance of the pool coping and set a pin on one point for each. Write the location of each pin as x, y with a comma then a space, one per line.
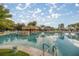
31, 50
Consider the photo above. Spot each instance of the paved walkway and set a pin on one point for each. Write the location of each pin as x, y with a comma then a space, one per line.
32, 51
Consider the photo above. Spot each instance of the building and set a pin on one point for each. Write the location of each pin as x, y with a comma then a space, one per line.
29, 29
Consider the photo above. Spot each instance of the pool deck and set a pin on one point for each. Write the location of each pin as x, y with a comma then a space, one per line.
31, 50
6, 32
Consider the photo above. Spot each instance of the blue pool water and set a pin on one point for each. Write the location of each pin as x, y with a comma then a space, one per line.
67, 48
62, 44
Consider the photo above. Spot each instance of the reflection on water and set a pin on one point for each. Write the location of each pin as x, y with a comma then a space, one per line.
73, 36
61, 35
53, 43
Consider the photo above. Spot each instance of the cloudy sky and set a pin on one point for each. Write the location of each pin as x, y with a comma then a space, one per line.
45, 13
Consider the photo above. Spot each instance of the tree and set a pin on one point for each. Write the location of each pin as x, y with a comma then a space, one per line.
5, 22
61, 26
34, 23
74, 26
4, 13
19, 26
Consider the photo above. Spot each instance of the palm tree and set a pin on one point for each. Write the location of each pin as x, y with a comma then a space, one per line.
4, 13
5, 16
61, 26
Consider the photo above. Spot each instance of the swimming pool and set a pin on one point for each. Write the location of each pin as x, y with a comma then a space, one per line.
53, 43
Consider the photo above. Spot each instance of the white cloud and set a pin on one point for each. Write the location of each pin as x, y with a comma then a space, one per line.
48, 23
21, 16
42, 13
38, 10
19, 8
33, 15
6, 6
49, 17
22, 21
61, 7
54, 5
68, 13
35, 12
22, 8
27, 4
76, 4
55, 15
50, 10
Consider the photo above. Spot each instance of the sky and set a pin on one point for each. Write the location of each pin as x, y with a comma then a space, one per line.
49, 14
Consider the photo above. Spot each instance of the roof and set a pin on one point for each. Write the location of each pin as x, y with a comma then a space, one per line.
30, 27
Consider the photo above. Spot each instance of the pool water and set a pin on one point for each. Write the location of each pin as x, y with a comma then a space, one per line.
53, 43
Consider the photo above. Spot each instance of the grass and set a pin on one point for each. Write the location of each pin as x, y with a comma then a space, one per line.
9, 52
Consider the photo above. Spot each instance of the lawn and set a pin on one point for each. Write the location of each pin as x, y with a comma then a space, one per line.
9, 52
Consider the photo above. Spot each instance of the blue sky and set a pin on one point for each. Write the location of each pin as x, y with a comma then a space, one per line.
50, 14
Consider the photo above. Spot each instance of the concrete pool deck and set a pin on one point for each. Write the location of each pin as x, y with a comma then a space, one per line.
6, 32
31, 50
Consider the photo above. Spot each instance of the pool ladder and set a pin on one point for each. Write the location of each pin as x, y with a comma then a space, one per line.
53, 48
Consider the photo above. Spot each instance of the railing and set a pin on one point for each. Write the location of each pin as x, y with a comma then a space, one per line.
54, 49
